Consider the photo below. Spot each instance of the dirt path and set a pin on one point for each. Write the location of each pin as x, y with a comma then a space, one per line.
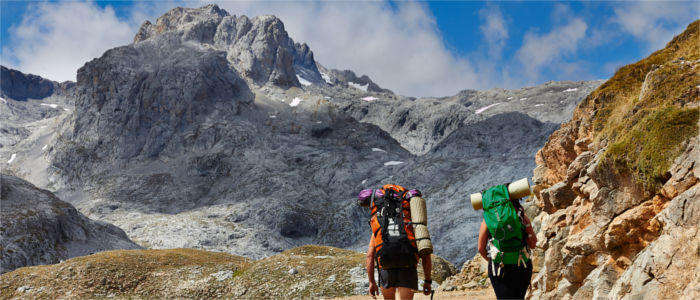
482, 294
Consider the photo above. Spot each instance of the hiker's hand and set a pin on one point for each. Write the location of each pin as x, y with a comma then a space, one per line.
373, 290
427, 287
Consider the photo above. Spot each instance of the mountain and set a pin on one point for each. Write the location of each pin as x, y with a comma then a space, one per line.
38, 228
219, 132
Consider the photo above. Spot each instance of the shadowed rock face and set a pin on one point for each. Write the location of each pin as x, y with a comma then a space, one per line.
38, 228
16, 85
188, 138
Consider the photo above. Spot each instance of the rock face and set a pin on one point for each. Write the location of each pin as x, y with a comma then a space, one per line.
608, 225
18, 86
200, 135
38, 228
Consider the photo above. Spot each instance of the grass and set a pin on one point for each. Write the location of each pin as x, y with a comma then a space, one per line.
645, 134
187, 273
649, 147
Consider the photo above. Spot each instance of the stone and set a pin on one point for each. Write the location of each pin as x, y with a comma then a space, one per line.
577, 166
558, 196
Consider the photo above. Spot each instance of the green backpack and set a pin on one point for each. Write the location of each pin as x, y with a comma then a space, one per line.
504, 225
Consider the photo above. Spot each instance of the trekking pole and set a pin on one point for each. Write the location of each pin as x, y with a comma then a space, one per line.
432, 293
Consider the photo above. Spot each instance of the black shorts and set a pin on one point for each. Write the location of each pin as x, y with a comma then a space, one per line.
404, 277
513, 283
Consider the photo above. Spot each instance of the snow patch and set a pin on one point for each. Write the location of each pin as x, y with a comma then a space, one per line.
523, 99
480, 110
319, 122
66, 109
295, 102
12, 158
392, 163
358, 86
273, 117
364, 181
3, 99
45, 146
326, 78
370, 98
303, 81
510, 98
538, 105
570, 90
378, 150
49, 104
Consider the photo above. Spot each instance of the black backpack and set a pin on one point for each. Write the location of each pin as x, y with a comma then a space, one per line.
393, 235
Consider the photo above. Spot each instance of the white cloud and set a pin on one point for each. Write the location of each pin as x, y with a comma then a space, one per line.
655, 22
548, 51
494, 30
55, 39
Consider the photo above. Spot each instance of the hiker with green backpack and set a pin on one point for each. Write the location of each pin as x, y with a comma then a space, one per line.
508, 232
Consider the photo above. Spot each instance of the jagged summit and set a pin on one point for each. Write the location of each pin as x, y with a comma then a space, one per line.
259, 48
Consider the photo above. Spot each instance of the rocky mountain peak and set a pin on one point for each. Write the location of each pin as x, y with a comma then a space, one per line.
259, 48
182, 19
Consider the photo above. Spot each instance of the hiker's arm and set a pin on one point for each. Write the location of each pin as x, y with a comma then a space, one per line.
531, 236
483, 238
427, 269
369, 261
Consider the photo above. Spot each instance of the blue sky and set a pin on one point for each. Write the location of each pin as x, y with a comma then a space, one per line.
432, 48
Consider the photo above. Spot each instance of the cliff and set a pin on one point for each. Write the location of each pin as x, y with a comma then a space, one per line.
617, 186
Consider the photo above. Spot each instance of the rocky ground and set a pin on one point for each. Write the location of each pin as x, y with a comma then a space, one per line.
309, 271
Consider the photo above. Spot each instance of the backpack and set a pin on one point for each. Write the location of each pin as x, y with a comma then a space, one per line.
394, 239
505, 226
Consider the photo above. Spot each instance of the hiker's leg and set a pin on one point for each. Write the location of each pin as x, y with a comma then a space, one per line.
522, 282
389, 293
500, 286
405, 293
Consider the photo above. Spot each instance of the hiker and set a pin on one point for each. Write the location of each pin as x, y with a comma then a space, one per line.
403, 279
392, 245
510, 267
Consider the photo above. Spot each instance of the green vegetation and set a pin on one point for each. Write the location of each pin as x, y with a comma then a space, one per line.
646, 133
649, 148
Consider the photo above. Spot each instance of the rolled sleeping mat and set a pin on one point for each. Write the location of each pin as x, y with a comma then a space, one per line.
519, 189
419, 214
425, 246
476, 201
516, 190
